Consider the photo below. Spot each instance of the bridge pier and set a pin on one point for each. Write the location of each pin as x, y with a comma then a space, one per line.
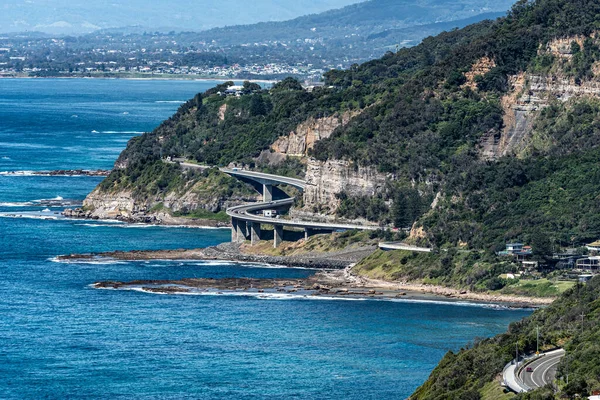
254, 232
308, 232
234, 224
277, 235
241, 231
267, 192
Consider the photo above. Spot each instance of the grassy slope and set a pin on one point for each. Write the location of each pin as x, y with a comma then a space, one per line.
314, 244
472, 270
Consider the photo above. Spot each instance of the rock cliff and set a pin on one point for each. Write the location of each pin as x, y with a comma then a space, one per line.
125, 205
530, 92
326, 179
306, 134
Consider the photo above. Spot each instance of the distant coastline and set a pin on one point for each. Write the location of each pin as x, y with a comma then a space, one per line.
146, 78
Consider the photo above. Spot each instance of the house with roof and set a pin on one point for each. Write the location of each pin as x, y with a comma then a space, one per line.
521, 254
517, 250
591, 263
594, 247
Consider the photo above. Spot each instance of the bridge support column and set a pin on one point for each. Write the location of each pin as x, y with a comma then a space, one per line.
234, 224
241, 231
267, 192
308, 232
277, 235
254, 232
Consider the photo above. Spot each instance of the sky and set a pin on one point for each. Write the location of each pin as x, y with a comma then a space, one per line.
83, 16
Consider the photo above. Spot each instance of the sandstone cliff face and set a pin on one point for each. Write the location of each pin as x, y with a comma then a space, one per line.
529, 93
125, 206
561, 47
325, 179
480, 67
306, 134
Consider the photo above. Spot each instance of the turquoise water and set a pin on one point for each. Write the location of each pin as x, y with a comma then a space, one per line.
60, 338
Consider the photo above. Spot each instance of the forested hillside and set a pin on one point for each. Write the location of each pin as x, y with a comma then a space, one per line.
484, 134
473, 372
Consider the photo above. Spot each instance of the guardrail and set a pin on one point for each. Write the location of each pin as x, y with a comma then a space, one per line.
511, 379
403, 246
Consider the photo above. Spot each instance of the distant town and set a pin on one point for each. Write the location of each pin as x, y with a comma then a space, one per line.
158, 55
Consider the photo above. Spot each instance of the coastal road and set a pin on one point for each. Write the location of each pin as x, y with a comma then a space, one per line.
247, 212
244, 213
268, 179
403, 246
543, 369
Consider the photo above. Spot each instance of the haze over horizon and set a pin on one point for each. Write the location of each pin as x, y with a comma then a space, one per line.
80, 17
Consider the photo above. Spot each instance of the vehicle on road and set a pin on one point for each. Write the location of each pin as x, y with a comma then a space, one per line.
529, 369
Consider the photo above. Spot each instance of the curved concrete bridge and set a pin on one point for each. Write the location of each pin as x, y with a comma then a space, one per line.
246, 224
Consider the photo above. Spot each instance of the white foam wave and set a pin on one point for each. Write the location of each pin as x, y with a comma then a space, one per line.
122, 132
170, 101
255, 294
301, 296
16, 204
29, 216
37, 173
17, 173
90, 261
6, 158
95, 225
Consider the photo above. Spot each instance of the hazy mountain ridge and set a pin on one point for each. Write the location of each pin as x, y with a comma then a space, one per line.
305, 46
76, 17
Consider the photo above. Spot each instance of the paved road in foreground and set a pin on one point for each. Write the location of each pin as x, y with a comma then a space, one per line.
543, 369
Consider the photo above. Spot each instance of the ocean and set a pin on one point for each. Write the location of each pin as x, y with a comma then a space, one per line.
61, 338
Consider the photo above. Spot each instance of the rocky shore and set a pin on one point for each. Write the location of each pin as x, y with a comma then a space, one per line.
146, 218
230, 252
336, 275
330, 284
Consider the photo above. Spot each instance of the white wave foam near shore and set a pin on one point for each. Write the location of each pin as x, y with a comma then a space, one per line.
19, 173
122, 132
29, 216
17, 204
91, 262
296, 296
46, 203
